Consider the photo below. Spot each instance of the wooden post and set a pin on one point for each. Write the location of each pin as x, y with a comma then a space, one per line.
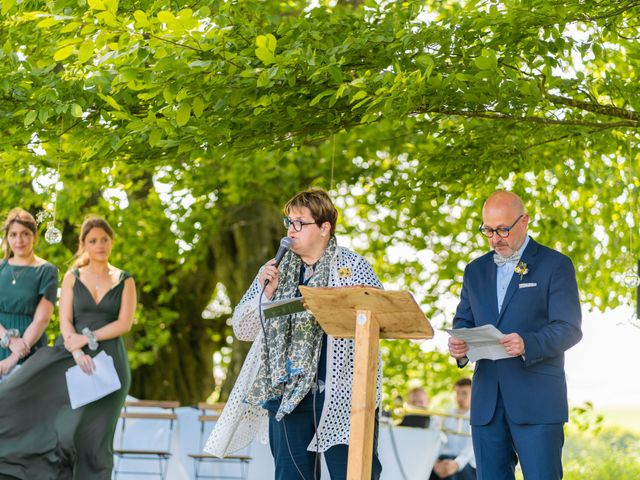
368, 314
363, 400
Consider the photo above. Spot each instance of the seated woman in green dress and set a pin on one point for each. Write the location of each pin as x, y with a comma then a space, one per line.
28, 291
41, 436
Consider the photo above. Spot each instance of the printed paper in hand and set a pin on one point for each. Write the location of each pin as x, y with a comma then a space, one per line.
483, 342
85, 388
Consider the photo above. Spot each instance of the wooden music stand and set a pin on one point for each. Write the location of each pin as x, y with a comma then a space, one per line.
368, 314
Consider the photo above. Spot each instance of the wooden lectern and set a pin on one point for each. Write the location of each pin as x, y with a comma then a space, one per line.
369, 314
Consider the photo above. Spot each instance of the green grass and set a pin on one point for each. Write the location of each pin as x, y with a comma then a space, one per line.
627, 418
611, 454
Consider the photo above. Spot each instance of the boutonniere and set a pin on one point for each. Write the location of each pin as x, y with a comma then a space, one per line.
521, 269
345, 272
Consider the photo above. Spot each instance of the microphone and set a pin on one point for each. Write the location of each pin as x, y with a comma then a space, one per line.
285, 246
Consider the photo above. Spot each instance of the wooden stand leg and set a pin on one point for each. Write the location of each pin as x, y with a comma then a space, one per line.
363, 399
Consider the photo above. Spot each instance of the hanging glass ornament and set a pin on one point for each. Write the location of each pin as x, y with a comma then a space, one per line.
42, 215
53, 234
630, 278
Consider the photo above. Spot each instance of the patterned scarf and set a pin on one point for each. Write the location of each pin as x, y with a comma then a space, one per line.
294, 341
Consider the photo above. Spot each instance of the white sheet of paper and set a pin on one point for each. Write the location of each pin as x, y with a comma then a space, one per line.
483, 342
85, 388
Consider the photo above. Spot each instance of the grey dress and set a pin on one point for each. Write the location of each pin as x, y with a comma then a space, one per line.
41, 437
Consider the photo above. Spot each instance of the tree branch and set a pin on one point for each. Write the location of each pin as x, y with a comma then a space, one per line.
608, 110
546, 121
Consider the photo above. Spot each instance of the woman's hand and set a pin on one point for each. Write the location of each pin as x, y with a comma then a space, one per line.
75, 341
270, 272
8, 364
84, 361
19, 346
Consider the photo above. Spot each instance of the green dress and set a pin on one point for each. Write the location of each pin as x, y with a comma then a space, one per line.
21, 289
41, 437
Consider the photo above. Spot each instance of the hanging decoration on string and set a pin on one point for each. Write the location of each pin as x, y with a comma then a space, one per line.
52, 234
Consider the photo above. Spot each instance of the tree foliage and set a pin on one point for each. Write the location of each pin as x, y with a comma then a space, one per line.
187, 125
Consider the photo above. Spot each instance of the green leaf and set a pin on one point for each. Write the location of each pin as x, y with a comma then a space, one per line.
360, 94
183, 114
266, 48
166, 17
198, 106
266, 56
47, 22
76, 110
30, 117
63, 53
141, 19
267, 41
108, 18
96, 4
111, 101
154, 137
112, 5
85, 52
487, 61
320, 96
7, 5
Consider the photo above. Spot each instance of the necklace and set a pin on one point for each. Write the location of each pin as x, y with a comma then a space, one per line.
16, 276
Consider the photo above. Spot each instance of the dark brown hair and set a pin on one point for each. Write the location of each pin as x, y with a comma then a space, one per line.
89, 224
463, 382
319, 204
24, 218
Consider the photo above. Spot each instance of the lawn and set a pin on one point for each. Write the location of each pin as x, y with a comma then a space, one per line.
627, 418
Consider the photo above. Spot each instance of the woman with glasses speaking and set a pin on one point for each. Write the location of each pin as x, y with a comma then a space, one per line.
296, 379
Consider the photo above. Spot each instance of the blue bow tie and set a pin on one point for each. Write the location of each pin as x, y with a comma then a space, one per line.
500, 260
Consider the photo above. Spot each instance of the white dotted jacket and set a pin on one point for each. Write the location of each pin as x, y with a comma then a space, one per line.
240, 422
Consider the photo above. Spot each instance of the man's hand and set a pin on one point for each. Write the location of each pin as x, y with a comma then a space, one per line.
513, 344
445, 468
458, 348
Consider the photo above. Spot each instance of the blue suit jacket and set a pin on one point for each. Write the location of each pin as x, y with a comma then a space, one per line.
543, 308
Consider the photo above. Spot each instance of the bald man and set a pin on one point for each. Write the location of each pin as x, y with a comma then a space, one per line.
529, 292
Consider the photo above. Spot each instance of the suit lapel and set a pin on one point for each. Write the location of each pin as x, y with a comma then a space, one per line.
493, 289
528, 257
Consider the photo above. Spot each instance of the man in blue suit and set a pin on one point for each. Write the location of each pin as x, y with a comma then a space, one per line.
529, 292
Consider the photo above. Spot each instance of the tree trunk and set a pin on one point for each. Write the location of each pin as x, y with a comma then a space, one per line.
246, 237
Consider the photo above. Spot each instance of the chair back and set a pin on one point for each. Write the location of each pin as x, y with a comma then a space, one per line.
145, 432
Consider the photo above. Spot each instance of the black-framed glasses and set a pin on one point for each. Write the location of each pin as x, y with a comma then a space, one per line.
503, 232
296, 224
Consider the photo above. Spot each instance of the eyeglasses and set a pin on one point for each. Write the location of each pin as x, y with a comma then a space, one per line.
296, 224
503, 232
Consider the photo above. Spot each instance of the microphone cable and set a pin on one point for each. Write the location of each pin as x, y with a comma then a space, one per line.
284, 426
395, 452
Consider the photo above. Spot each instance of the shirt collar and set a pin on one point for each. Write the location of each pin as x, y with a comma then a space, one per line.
523, 246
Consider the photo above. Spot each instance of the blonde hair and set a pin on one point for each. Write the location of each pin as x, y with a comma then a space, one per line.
89, 224
22, 217
318, 202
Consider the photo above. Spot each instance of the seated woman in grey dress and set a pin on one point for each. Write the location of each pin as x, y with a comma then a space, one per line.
41, 436
28, 291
